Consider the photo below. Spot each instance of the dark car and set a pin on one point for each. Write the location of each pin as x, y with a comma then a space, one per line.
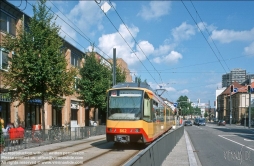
187, 123
201, 122
196, 121
221, 123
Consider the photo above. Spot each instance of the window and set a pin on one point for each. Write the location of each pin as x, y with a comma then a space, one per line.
75, 60
3, 59
8, 23
75, 86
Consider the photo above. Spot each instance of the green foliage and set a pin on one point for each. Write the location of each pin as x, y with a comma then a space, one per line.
206, 114
197, 111
2, 141
38, 66
95, 80
120, 75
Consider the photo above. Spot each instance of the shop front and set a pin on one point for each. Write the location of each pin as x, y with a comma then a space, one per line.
33, 113
5, 108
56, 115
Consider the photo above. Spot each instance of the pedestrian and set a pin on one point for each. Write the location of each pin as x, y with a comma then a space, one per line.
2, 121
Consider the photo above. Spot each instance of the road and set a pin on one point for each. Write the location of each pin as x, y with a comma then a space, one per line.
228, 145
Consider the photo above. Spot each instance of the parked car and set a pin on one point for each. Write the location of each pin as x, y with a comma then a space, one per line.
221, 123
187, 123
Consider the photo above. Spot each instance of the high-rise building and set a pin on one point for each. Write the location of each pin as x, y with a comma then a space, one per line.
236, 75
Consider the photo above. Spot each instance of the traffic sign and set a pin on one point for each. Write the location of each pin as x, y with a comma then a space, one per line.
235, 90
175, 104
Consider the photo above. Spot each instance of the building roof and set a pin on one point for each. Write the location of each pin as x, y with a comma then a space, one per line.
240, 88
228, 89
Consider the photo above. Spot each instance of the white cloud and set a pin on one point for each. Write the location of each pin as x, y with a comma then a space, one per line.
85, 15
185, 91
203, 26
155, 10
146, 47
164, 49
227, 36
172, 57
183, 32
249, 50
109, 41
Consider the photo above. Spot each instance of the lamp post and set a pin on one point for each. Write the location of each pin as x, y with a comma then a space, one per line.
231, 90
249, 90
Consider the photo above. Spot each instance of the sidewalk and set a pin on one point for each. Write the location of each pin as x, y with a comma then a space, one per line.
182, 154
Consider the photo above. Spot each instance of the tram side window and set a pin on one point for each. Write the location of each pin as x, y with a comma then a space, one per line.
147, 110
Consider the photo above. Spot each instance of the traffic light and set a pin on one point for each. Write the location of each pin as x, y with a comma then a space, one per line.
249, 88
232, 88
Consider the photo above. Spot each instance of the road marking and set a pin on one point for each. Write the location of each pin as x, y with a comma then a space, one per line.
247, 139
191, 156
235, 142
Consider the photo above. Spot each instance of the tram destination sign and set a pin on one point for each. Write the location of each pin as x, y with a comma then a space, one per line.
130, 93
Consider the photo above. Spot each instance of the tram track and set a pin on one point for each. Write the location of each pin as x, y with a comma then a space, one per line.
33, 154
114, 157
91, 152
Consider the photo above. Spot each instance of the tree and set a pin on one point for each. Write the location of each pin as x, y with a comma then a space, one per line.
38, 68
183, 103
120, 75
94, 82
206, 114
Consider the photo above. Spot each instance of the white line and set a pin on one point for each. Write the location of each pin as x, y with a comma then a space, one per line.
192, 159
236, 142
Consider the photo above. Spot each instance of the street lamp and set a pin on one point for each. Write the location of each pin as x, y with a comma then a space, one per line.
231, 90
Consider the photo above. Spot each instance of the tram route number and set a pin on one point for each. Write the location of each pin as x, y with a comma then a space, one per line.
123, 130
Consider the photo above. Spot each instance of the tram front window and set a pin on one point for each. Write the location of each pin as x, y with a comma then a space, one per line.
125, 108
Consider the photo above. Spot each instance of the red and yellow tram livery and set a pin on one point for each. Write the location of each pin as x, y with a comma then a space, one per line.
136, 114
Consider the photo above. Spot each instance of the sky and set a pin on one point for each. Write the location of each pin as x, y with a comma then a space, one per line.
183, 47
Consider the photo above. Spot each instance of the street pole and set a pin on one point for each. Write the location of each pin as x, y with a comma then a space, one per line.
245, 113
114, 66
249, 107
230, 108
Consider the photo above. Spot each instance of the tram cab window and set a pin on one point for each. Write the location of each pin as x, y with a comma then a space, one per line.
147, 109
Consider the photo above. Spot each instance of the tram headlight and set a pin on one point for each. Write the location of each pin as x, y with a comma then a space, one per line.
109, 129
137, 130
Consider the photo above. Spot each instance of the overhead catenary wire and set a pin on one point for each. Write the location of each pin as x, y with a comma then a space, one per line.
209, 35
84, 36
187, 66
203, 36
62, 29
135, 39
127, 43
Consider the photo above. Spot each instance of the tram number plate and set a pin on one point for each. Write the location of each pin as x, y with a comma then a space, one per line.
123, 131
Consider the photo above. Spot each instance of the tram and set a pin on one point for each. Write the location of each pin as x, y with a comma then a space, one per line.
135, 114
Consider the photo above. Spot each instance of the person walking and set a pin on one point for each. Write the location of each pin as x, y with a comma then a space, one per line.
2, 121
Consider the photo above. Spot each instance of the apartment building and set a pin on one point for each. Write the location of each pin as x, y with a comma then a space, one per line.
29, 114
235, 75
124, 67
239, 100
